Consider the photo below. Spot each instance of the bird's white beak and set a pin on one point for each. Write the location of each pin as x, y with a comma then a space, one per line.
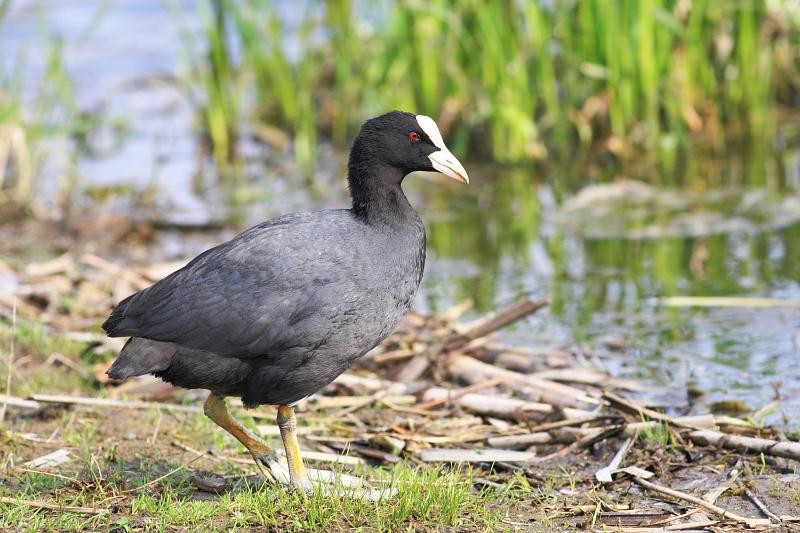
442, 160
446, 163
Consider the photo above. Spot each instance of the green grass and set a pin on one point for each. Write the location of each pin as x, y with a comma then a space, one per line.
38, 341
428, 498
660, 435
32, 337
113, 471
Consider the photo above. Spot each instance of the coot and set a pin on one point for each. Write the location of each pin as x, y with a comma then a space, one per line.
281, 310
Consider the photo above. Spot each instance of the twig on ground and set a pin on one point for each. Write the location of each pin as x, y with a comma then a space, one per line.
139, 281
366, 451
9, 360
69, 363
158, 426
52, 506
49, 474
365, 401
473, 371
458, 393
604, 475
414, 369
584, 442
789, 450
483, 455
750, 522
419, 363
18, 402
370, 384
55, 458
620, 519
343, 402
209, 455
102, 402
568, 423
574, 374
410, 410
502, 318
32, 437
761, 506
643, 412
393, 356
513, 442
490, 405
700, 421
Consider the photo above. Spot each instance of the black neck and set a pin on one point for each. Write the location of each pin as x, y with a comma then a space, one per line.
375, 190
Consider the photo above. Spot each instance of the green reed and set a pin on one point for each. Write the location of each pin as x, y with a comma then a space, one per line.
51, 111
16, 173
283, 88
518, 82
211, 80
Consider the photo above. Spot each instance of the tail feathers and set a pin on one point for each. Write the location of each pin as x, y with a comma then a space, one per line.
112, 324
141, 356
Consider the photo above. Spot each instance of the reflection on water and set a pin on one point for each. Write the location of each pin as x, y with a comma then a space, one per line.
507, 234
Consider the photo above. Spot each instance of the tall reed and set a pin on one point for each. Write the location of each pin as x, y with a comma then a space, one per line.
50, 110
519, 81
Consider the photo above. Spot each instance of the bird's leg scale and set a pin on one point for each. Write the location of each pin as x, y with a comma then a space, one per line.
287, 423
217, 411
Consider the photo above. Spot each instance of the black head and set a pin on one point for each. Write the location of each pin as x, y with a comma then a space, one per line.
386, 149
400, 143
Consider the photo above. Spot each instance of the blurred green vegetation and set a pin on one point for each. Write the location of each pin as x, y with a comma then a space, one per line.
648, 87
655, 79
28, 120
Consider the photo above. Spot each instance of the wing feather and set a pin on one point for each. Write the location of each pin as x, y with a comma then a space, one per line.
238, 299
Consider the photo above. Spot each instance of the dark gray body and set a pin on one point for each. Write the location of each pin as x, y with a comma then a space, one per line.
278, 312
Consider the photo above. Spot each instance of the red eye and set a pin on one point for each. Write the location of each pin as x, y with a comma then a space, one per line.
414, 136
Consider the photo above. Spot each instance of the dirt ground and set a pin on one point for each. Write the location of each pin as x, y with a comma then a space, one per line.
429, 414
120, 456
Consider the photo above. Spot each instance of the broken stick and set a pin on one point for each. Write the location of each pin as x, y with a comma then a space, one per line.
789, 450
102, 402
643, 412
750, 522
490, 405
473, 371
502, 318
52, 506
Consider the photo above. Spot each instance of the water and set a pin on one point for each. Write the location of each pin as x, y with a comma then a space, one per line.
517, 243
603, 258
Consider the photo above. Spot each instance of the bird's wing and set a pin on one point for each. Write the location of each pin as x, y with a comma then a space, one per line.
243, 298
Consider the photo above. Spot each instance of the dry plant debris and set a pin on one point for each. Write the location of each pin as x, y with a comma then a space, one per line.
437, 391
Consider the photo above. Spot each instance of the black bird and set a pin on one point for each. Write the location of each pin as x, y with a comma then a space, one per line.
281, 310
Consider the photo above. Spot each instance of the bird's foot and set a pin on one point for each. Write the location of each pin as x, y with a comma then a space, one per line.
276, 467
322, 481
